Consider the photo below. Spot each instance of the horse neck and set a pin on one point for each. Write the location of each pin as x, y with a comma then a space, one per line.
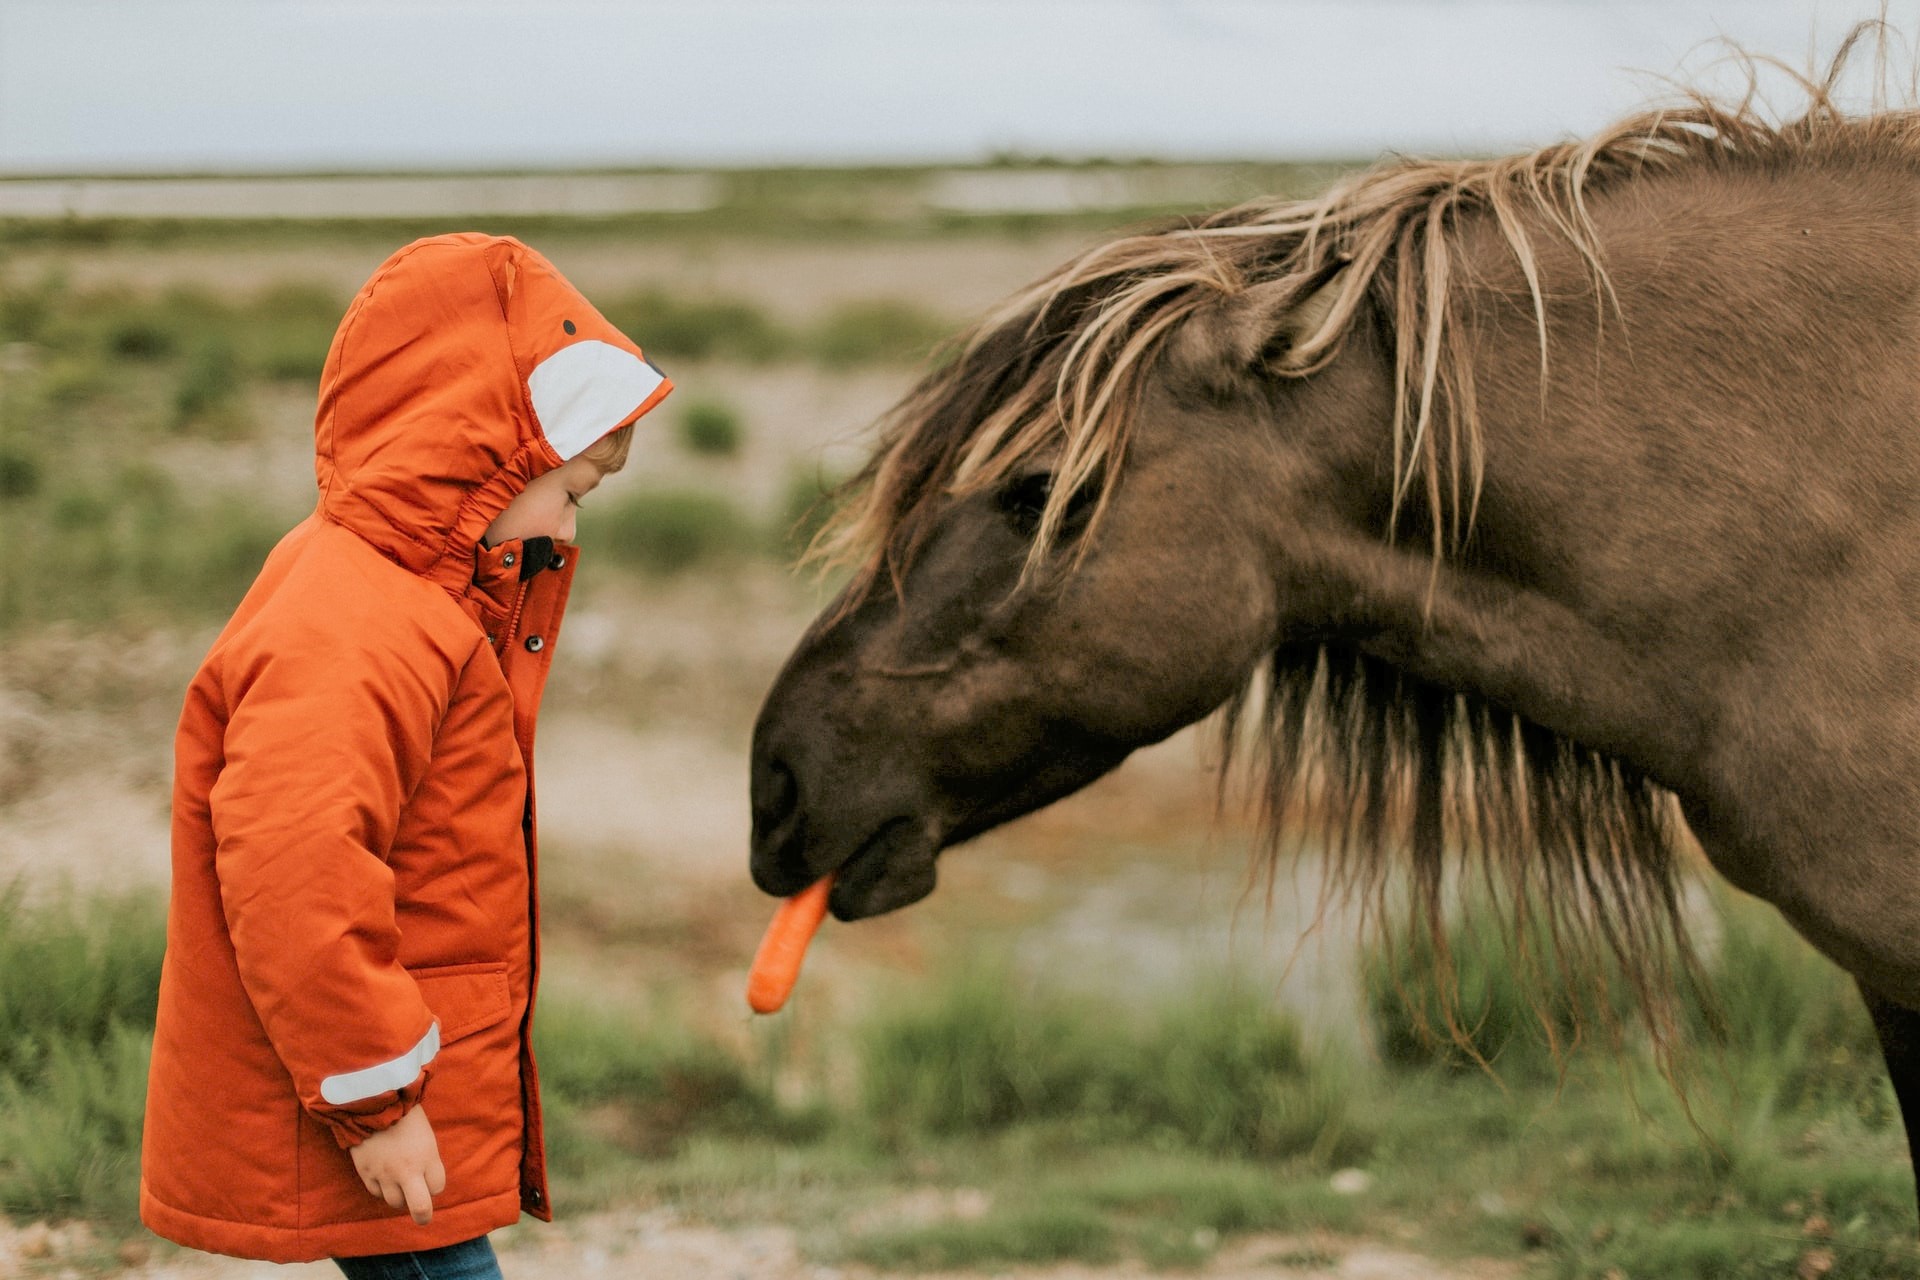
1614, 576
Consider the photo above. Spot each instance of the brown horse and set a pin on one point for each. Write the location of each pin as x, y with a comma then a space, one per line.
1502, 503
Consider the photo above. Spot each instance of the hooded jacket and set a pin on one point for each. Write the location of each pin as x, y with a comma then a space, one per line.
353, 926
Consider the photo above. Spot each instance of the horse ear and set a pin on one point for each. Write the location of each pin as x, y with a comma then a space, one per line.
1269, 324
1264, 330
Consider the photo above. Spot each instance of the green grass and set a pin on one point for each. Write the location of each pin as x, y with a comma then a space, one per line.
79, 982
124, 541
710, 429
882, 331
806, 205
994, 1123
669, 531
671, 327
109, 393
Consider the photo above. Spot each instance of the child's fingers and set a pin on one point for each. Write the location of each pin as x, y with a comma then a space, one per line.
419, 1202
436, 1176
391, 1193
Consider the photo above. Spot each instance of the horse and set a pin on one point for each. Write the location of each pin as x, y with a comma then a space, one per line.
1537, 516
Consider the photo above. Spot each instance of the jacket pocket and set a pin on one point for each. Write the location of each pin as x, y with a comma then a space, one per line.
465, 997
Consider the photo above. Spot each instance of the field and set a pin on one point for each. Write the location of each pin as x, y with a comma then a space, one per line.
1106, 1046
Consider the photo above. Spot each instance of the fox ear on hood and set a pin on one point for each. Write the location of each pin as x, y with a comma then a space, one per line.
588, 388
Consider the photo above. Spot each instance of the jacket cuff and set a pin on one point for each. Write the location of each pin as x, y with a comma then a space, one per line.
351, 1128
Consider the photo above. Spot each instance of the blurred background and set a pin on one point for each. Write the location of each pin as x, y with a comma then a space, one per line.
1109, 1043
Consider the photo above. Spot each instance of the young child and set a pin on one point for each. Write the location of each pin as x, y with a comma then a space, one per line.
342, 1064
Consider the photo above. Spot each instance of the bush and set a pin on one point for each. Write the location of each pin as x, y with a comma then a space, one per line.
805, 507
1222, 1072
126, 542
669, 531
877, 332
208, 393
671, 327
79, 985
711, 429
289, 329
27, 309
1775, 1001
1493, 1015
613, 1082
20, 473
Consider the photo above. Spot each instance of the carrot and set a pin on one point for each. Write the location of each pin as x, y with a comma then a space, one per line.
776, 965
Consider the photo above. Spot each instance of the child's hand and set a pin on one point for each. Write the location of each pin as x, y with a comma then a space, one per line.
401, 1165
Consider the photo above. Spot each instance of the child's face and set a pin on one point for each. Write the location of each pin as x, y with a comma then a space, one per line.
545, 508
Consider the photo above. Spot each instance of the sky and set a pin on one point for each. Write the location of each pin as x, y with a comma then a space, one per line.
264, 86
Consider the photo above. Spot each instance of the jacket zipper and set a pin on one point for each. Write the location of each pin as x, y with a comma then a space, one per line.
512, 628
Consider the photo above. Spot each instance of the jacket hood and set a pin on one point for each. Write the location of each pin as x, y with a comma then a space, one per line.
463, 369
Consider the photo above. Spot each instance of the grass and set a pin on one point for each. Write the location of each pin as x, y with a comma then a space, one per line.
800, 204
107, 392
662, 532
995, 1124
79, 983
1224, 1072
710, 429
882, 331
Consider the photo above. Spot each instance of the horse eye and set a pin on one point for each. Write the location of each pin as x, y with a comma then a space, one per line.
1023, 501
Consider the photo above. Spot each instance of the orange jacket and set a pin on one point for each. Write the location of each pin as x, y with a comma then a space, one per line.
353, 916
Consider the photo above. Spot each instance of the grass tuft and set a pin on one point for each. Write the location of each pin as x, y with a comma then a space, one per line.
668, 531
711, 429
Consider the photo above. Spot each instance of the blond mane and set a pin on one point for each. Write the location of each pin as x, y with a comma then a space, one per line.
1055, 373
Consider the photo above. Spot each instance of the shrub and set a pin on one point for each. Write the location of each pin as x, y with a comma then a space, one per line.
19, 473
27, 309
1489, 1012
668, 531
79, 984
1221, 1072
615, 1082
805, 507
877, 332
711, 429
1775, 1001
289, 329
208, 393
709, 329
128, 542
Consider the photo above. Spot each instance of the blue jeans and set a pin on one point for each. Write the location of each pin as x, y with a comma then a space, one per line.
469, 1260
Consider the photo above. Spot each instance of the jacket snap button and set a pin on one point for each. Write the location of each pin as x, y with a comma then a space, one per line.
535, 644
508, 558
558, 562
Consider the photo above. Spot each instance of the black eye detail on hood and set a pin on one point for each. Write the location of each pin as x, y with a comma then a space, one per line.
567, 325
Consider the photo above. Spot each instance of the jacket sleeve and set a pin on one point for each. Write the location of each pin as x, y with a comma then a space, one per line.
327, 735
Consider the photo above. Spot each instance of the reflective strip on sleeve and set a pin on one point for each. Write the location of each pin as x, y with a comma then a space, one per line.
585, 390
368, 1082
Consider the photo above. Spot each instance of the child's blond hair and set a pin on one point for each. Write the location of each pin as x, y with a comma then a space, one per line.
609, 452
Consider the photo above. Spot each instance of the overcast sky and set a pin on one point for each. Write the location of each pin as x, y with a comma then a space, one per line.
302, 85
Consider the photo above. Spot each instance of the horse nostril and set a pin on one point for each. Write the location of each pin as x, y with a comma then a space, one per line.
776, 797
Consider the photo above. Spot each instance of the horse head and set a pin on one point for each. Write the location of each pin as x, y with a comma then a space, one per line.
1044, 615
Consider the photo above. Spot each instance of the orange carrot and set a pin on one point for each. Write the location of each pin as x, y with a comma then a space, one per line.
776, 966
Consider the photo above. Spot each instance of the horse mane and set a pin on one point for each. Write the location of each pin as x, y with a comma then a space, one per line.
1580, 852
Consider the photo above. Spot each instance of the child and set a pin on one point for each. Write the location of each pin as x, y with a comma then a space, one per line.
354, 916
